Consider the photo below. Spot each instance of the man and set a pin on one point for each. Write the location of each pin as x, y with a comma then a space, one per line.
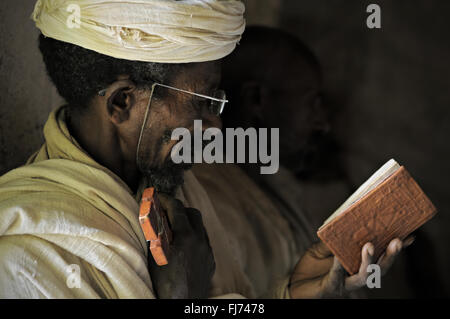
274, 80
282, 87
69, 218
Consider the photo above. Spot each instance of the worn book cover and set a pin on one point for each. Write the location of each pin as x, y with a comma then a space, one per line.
389, 205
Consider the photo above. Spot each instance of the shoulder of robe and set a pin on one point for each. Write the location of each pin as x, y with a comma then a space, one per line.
31, 267
29, 205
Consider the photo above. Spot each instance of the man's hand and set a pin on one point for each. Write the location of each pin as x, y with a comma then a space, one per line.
191, 261
320, 275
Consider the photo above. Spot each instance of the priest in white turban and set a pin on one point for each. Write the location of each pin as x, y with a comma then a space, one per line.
131, 72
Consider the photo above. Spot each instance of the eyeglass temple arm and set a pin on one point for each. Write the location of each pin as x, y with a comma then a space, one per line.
188, 92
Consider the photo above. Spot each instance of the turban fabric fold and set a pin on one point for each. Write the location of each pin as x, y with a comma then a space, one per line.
164, 31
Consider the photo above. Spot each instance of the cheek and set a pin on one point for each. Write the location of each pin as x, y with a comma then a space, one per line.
164, 116
136, 121
152, 130
161, 120
179, 113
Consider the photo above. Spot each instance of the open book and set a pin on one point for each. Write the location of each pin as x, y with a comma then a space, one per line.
390, 204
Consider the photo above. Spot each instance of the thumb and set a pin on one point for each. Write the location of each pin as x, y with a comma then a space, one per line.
175, 212
320, 250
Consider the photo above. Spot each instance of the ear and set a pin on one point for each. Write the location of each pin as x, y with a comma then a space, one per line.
251, 101
120, 97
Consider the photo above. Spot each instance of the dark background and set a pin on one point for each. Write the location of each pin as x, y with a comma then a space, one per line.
387, 88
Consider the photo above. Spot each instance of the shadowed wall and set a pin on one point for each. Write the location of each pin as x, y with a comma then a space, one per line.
388, 89
26, 94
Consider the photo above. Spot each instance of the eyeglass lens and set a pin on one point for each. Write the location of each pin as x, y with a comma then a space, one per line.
217, 107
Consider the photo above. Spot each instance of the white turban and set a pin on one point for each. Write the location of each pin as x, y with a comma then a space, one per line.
164, 31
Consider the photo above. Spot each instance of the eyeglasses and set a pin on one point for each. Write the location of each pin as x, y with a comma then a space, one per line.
216, 107
217, 102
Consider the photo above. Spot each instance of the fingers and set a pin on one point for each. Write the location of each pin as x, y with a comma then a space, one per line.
320, 250
359, 280
392, 250
183, 220
367, 254
175, 212
168, 204
385, 261
367, 258
408, 241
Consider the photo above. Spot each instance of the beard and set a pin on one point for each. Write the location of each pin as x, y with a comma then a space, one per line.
167, 178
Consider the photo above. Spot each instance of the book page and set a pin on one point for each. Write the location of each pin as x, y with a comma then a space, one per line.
376, 179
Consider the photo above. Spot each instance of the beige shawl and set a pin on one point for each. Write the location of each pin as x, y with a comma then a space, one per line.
64, 209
